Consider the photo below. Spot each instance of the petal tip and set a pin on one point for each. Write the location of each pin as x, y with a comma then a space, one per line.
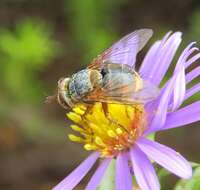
179, 33
188, 173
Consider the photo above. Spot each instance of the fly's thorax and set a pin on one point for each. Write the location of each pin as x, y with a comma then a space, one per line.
84, 82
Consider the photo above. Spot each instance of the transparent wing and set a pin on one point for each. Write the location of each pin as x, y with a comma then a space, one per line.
148, 93
124, 94
125, 50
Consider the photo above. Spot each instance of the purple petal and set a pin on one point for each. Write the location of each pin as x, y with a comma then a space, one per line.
180, 86
143, 170
184, 116
123, 178
191, 91
166, 157
163, 58
179, 90
151, 56
177, 97
98, 175
193, 74
148, 60
77, 175
160, 116
193, 59
163, 102
191, 54
187, 52
166, 57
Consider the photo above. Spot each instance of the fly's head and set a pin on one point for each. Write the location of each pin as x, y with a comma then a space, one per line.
63, 96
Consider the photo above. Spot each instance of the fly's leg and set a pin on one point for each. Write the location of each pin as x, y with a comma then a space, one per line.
107, 114
126, 111
87, 111
109, 117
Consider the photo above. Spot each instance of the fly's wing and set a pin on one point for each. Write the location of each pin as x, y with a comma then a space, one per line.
148, 93
125, 50
115, 92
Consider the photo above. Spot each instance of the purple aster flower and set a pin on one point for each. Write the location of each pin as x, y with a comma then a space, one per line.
128, 141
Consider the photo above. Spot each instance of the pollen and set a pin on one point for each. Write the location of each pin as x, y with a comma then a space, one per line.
108, 135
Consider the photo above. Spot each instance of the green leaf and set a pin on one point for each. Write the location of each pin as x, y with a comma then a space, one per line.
191, 184
152, 136
25, 50
194, 164
108, 181
163, 173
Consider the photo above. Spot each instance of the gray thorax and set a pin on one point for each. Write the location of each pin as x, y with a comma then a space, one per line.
81, 83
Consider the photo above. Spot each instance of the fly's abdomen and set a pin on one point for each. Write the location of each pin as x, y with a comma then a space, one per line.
113, 81
80, 84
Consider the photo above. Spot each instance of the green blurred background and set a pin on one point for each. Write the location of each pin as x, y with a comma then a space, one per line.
41, 41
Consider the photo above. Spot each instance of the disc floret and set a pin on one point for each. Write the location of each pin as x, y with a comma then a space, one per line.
108, 136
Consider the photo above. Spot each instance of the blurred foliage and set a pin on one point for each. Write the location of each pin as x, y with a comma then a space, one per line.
25, 51
191, 184
194, 29
108, 181
92, 24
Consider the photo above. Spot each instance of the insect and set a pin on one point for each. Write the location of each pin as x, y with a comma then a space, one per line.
111, 77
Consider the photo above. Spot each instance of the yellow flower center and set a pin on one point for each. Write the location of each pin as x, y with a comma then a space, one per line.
108, 135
